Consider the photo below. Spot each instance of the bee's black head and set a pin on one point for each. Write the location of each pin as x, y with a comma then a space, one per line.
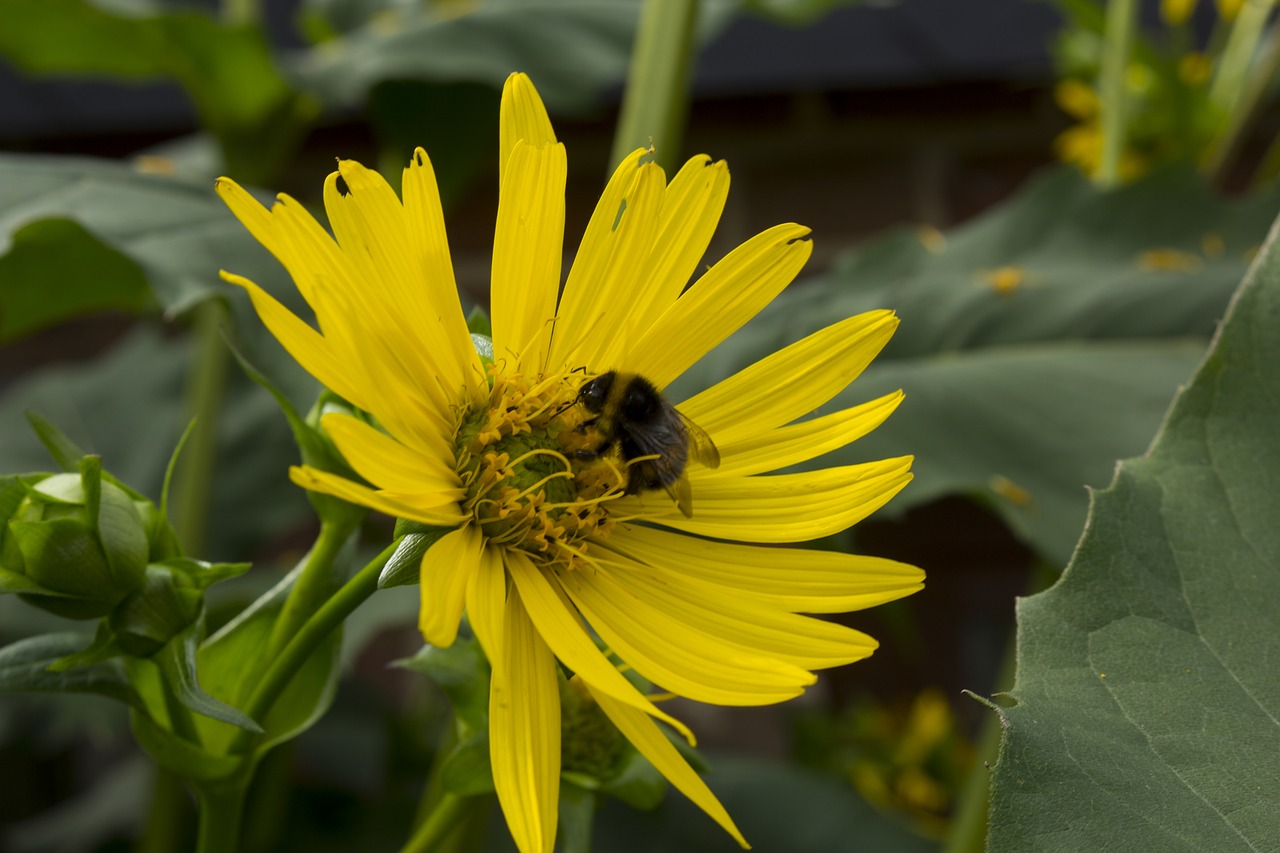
593, 394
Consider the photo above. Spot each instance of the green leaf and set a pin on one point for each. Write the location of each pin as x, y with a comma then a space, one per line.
169, 237
24, 666
227, 70
1041, 387
178, 666
405, 566
231, 663
1146, 693
572, 49
462, 672
638, 783
182, 757
467, 770
54, 269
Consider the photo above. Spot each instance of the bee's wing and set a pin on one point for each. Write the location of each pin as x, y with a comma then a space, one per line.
701, 447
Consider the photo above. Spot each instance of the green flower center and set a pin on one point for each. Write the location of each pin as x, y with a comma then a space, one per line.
526, 487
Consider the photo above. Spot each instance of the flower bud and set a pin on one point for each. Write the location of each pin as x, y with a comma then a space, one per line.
80, 539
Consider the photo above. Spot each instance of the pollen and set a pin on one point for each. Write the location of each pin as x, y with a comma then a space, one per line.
526, 486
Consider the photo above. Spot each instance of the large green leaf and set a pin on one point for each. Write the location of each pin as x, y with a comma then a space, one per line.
573, 49
1024, 397
226, 69
1147, 701
61, 218
24, 666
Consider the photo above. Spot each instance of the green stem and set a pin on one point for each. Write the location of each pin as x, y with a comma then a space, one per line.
221, 806
1121, 20
167, 816
1253, 99
656, 103
205, 385
449, 811
1233, 65
312, 586
310, 635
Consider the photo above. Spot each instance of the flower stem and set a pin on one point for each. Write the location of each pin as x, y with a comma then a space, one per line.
205, 385
1121, 21
312, 586
309, 635
656, 101
1233, 66
166, 817
449, 811
221, 806
1253, 98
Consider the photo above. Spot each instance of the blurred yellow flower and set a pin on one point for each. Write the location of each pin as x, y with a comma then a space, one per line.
550, 541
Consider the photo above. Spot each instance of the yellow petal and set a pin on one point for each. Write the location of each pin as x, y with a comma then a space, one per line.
774, 449
390, 465
430, 244
307, 346
429, 509
678, 656
728, 295
522, 117
447, 568
691, 209
645, 735
524, 732
527, 252
781, 507
487, 602
793, 381
369, 223
609, 270
742, 621
800, 580
557, 622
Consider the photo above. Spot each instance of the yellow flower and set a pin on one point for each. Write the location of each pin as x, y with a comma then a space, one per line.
549, 542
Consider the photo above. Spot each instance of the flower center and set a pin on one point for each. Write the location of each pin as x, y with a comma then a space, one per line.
529, 485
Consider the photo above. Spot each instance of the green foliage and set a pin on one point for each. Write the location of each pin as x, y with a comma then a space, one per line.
1146, 695
779, 808
1038, 344
25, 666
227, 70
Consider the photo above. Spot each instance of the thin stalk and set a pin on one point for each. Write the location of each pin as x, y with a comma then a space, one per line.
447, 814
1253, 99
206, 384
1233, 65
308, 637
221, 806
656, 102
312, 586
1122, 18
167, 817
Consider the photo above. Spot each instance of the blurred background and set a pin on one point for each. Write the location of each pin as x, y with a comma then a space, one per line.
1049, 311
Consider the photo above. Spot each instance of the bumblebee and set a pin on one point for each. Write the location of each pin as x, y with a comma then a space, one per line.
652, 437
